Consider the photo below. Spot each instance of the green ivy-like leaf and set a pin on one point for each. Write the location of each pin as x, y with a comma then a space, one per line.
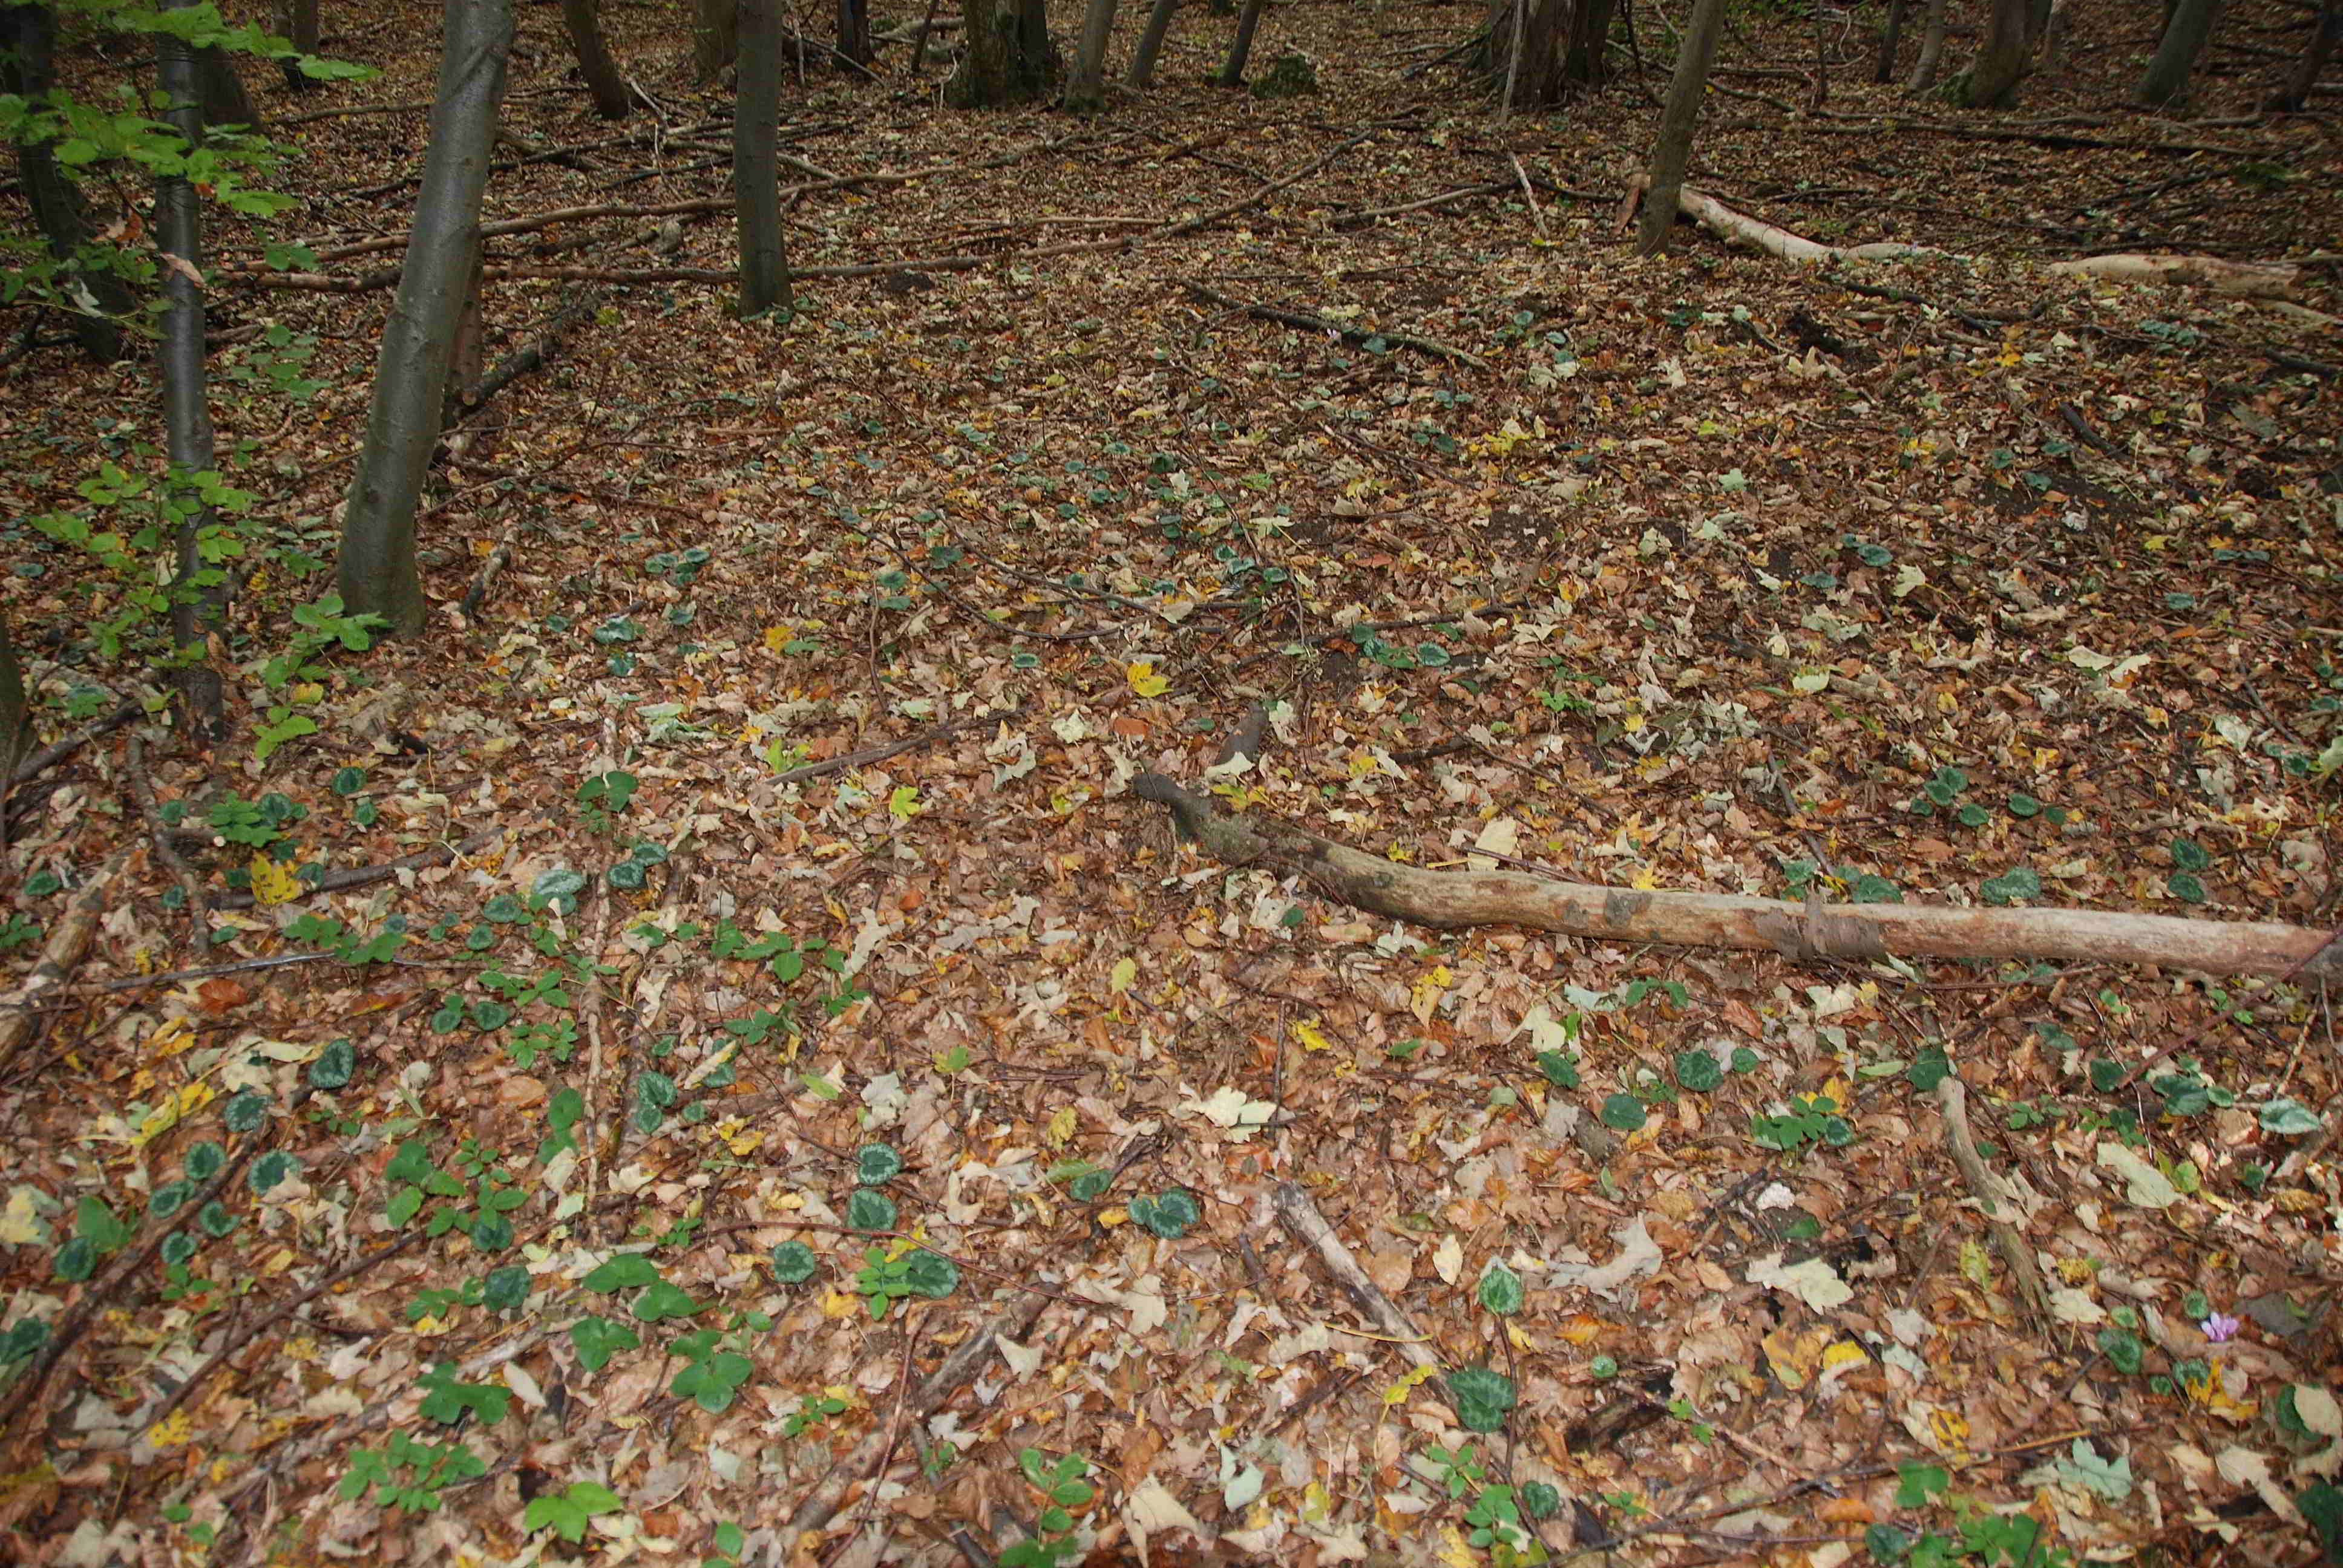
867, 1209
1168, 1214
1623, 1113
875, 1164
1501, 1290
1698, 1070
793, 1262
1483, 1398
598, 1339
334, 1066
2190, 855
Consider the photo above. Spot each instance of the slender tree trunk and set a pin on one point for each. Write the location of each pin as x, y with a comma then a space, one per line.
1240, 49
1891, 34
199, 590
16, 713
756, 165
2165, 80
1150, 43
1677, 120
101, 300
2295, 91
378, 571
2055, 32
1932, 51
583, 21
715, 35
1991, 81
300, 18
854, 31
1086, 83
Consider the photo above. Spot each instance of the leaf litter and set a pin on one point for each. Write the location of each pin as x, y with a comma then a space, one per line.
789, 746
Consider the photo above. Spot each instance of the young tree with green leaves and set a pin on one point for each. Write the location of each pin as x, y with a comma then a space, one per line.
378, 571
85, 279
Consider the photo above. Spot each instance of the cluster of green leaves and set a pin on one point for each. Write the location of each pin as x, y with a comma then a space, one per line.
1806, 1119
130, 521
1063, 1489
474, 1198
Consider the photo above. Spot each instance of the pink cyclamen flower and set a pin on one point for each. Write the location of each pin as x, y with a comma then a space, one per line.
2220, 1328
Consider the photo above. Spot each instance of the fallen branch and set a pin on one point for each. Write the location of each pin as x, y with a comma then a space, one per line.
1299, 1215
1805, 932
69, 943
870, 754
1348, 333
1953, 1099
363, 876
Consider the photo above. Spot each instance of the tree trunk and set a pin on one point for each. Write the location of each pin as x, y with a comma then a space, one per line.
1804, 932
715, 35
378, 571
1536, 52
198, 588
1890, 35
2295, 91
756, 165
1241, 47
1150, 43
1932, 51
854, 32
583, 21
1991, 81
1086, 83
1582, 65
221, 91
2054, 34
2165, 80
1009, 58
94, 293
301, 29
1677, 119
16, 713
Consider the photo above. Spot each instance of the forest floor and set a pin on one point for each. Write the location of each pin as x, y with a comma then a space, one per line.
768, 870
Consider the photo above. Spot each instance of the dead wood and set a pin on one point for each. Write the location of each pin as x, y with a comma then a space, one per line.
1344, 330
1806, 932
1992, 1199
69, 943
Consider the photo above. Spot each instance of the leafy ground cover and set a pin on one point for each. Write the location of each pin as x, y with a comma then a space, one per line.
783, 1081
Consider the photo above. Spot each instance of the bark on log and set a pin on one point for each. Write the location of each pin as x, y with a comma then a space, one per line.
1803, 931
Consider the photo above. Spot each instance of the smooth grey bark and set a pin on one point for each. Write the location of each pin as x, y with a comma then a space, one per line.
1891, 34
2291, 94
2165, 80
1992, 78
28, 54
1694, 55
198, 589
715, 35
756, 163
16, 713
1086, 83
1932, 51
1241, 46
377, 569
1150, 43
582, 20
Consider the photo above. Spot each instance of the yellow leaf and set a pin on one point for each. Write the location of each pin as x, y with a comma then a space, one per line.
182, 1102
904, 803
836, 1304
1306, 1031
777, 638
1397, 1393
273, 882
1125, 970
1145, 681
171, 1431
1062, 1125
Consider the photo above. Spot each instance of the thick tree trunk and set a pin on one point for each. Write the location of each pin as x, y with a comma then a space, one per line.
2295, 91
1677, 120
1241, 47
1009, 58
1806, 932
582, 20
198, 588
95, 294
1536, 52
377, 572
301, 29
1086, 83
1891, 34
1150, 43
756, 165
2165, 81
1932, 51
221, 90
1991, 81
715, 35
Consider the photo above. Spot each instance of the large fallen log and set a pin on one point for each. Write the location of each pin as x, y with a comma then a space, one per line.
1803, 931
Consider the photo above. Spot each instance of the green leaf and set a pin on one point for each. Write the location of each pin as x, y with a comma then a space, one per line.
622, 1272
2185, 887
334, 1066
875, 1164
867, 1209
663, 1301
2288, 1119
1559, 1069
1623, 1113
2190, 855
1168, 1214
1501, 1290
2011, 886
505, 1290
269, 1169
931, 1274
1919, 1483
2023, 805
1698, 1069
1483, 1398
597, 1339
793, 1262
